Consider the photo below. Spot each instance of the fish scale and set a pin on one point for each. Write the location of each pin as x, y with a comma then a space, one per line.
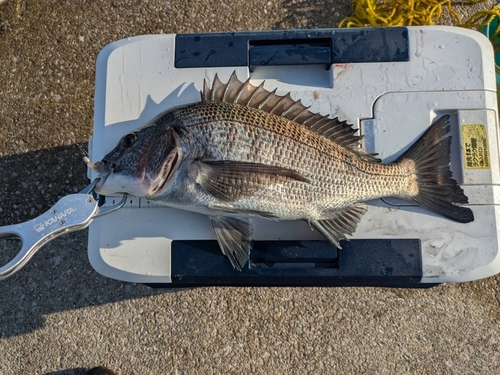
244, 152
357, 180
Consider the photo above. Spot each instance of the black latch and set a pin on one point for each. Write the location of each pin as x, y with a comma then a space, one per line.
290, 52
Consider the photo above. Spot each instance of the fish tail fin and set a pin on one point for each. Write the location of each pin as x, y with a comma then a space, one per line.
433, 186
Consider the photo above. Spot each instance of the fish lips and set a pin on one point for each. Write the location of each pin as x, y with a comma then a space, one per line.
111, 183
106, 174
99, 187
116, 183
104, 171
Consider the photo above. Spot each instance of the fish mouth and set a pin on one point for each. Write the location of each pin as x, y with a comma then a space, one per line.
168, 170
105, 169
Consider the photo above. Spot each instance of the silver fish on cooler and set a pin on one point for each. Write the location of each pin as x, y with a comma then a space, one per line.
244, 151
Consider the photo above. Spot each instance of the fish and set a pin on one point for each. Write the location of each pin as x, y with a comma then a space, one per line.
244, 152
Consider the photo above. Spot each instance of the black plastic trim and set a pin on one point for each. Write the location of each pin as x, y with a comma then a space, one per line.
380, 262
292, 47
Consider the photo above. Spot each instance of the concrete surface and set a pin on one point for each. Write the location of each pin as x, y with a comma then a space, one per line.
58, 316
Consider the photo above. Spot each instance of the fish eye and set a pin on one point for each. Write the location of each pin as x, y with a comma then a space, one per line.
129, 140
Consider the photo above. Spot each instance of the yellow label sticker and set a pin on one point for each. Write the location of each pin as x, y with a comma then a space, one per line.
475, 147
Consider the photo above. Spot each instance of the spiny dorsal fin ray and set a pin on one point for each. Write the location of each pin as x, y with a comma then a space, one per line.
244, 93
218, 89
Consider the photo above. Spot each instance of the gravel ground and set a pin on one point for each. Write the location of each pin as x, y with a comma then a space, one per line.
58, 316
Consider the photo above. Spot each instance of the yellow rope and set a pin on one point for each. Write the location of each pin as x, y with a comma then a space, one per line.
395, 13
411, 12
415, 13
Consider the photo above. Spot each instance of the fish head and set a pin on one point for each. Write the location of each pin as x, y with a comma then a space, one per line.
142, 164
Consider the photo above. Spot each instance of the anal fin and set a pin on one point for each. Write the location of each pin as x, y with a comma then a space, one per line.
342, 222
234, 236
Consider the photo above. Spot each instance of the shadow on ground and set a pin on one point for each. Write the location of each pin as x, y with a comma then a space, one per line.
59, 277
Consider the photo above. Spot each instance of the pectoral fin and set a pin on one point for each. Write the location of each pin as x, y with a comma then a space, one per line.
229, 180
343, 222
234, 236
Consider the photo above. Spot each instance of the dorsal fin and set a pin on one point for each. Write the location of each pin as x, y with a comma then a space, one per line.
244, 93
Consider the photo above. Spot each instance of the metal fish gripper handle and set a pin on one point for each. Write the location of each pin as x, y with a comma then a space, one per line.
71, 213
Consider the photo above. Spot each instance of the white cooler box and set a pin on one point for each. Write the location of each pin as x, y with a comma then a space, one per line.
390, 82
